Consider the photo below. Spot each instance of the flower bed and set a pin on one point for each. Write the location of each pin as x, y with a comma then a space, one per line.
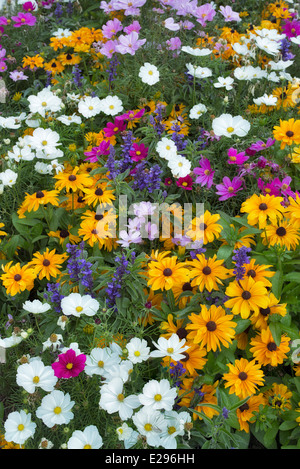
150, 225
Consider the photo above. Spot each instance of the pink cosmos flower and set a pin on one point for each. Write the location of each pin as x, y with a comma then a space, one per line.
236, 158
111, 28
23, 19
174, 43
3, 20
270, 188
135, 26
228, 188
102, 149
260, 145
205, 13
229, 14
28, 6
291, 28
205, 173
129, 44
131, 115
130, 7
138, 152
69, 365
3, 66
109, 48
113, 128
169, 24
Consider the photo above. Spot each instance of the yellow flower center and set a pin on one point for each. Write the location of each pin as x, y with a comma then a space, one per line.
148, 427
111, 106
21, 427
168, 147
35, 379
230, 189
44, 143
171, 430
157, 397
150, 72
44, 104
69, 366
79, 309
91, 108
87, 447
100, 364
57, 410
121, 397
230, 129
170, 350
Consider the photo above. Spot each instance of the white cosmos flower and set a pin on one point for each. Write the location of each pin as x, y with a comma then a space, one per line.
198, 72
271, 34
273, 77
196, 51
149, 74
19, 427
280, 64
166, 148
248, 72
173, 347
55, 409
268, 100
21, 154
111, 105
44, 101
76, 305
179, 166
295, 40
8, 177
44, 140
197, 111
53, 342
150, 424
138, 350
101, 361
158, 395
175, 427
42, 168
9, 122
121, 370
127, 435
68, 120
36, 307
228, 125
60, 33
224, 83
112, 399
89, 438
11, 341
36, 375
269, 46
89, 106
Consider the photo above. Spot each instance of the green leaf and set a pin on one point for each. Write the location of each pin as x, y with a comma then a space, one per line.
292, 277
277, 282
225, 252
275, 328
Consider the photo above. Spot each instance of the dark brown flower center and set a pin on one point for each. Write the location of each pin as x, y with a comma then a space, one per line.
72, 177
243, 376
99, 191
289, 133
272, 346
265, 311
181, 332
17, 277
186, 357
246, 295
64, 233
39, 194
187, 287
281, 231
98, 217
46, 262
202, 226
263, 206
211, 326
244, 407
206, 270
167, 272
80, 199
251, 273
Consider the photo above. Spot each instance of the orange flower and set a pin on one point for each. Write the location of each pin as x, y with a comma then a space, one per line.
288, 132
16, 279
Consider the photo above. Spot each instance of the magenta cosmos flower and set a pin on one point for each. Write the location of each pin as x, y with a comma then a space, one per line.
185, 183
205, 173
23, 19
69, 365
102, 149
228, 188
236, 158
138, 152
113, 128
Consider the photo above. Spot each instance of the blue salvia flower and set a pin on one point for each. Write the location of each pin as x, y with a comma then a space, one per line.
241, 257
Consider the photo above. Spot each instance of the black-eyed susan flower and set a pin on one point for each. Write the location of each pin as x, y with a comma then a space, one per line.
259, 272
208, 273
17, 278
266, 351
288, 132
183, 293
243, 377
73, 181
246, 296
166, 273
194, 359
99, 195
279, 397
65, 234
205, 227
261, 208
212, 328
173, 328
47, 264
246, 412
283, 234
261, 320
32, 202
